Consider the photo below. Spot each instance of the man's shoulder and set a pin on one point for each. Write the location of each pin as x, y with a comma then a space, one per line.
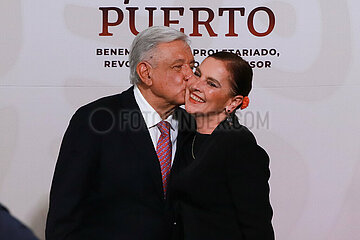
109, 103
102, 113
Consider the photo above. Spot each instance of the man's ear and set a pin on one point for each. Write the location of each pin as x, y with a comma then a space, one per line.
143, 69
235, 102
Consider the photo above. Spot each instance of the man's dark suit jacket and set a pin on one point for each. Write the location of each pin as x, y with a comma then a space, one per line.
107, 182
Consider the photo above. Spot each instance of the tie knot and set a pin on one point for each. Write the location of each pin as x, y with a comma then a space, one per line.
164, 127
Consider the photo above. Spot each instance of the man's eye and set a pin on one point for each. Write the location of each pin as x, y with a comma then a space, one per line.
177, 67
196, 73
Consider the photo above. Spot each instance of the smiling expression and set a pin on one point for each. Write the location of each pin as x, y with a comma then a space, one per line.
209, 93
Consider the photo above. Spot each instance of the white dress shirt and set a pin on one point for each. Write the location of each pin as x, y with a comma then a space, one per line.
152, 118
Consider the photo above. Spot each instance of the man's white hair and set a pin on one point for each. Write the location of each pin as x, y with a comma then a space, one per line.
146, 42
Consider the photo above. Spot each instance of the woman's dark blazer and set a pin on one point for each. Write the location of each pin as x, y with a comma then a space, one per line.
223, 194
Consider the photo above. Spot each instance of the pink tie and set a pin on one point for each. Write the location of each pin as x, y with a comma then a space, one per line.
163, 151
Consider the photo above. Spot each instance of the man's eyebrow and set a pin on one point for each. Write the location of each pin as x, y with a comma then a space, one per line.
178, 61
181, 60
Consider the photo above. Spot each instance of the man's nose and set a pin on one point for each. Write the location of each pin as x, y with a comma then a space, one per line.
188, 73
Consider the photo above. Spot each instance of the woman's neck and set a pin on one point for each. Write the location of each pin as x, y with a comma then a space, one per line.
206, 124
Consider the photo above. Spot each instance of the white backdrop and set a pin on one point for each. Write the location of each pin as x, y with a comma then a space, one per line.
304, 108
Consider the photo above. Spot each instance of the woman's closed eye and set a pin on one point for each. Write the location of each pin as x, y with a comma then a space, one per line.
212, 84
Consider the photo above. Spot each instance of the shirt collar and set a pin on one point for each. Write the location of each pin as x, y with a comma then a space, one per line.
149, 114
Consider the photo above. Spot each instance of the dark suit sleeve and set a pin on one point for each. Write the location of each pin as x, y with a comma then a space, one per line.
11, 228
72, 178
248, 173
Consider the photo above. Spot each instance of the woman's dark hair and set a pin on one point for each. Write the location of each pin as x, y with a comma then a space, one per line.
240, 70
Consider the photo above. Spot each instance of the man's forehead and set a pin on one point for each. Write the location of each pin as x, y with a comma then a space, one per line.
176, 51
174, 45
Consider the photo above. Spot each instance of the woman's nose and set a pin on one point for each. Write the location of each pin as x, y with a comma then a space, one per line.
194, 83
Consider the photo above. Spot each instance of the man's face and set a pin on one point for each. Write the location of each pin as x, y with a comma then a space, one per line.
171, 68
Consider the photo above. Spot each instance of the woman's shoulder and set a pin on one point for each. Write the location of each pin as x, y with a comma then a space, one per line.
239, 140
242, 133
235, 132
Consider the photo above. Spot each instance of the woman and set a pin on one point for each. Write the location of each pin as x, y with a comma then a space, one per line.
221, 191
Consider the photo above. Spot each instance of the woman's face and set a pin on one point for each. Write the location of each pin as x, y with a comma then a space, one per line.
209, 93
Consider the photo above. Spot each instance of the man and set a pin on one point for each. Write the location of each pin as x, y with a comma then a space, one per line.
111, 176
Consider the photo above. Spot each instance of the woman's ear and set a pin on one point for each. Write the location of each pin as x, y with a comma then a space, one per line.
235, 102
143, 69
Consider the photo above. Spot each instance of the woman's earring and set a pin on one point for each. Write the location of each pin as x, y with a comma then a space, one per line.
228, 117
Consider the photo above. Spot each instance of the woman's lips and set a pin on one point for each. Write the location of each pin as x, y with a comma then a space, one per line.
195, 98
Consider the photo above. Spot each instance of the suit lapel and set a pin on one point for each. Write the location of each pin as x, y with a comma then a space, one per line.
138, 133
187, 126
186, 129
